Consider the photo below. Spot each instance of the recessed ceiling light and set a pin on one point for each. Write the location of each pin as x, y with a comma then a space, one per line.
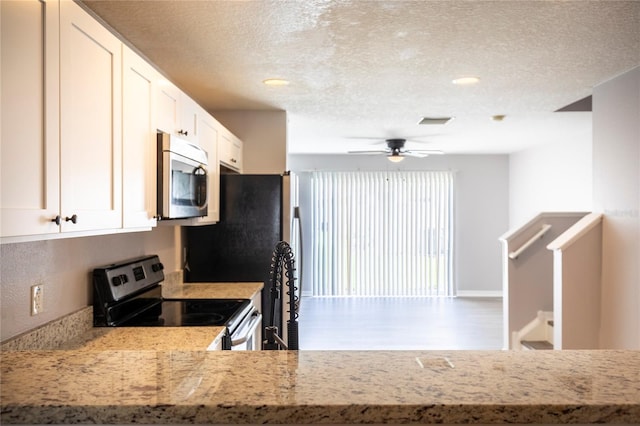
276, 82
465, 81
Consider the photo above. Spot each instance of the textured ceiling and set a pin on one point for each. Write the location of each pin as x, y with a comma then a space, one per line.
374, 68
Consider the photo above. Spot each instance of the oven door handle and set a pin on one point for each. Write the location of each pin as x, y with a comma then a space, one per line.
251, 328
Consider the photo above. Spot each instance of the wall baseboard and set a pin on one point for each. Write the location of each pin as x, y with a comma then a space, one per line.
460, 293
479, 293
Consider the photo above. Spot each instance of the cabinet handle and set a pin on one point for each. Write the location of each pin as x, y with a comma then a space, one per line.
56, 220
233, 160
183, 132
73, 219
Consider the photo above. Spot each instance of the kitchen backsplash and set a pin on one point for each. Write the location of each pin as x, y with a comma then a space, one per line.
172, 280
57, 332
52, 334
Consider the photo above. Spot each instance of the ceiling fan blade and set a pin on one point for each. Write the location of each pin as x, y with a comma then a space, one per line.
424, 151
368, 152
366, 138
414, 154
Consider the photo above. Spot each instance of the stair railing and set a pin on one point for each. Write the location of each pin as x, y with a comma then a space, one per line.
514, 254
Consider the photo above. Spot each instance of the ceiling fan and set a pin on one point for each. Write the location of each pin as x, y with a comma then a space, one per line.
395, 151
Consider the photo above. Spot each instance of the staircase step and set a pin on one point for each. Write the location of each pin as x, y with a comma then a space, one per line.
537, 344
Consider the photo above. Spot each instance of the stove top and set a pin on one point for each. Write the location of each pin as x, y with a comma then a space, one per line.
129, 294
192, 312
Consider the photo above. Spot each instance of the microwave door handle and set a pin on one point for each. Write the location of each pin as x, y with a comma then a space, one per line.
251, 328
203, 175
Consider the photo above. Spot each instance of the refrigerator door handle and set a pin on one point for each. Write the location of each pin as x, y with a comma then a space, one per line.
296, 217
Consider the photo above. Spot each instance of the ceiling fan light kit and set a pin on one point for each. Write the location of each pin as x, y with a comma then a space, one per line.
395, 156
396, 151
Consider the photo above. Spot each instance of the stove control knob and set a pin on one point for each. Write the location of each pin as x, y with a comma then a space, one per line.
119, 280
157, 267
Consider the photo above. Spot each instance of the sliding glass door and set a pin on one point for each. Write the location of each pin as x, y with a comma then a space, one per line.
382, 233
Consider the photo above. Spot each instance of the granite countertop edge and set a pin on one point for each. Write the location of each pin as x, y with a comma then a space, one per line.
322, 387
323, 414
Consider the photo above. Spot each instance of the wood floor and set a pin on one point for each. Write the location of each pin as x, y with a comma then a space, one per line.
400, 323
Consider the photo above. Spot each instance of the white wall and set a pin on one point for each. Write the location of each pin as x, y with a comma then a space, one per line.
264, 134
64, 267
552, 177
616, 194
546, 178
481, 208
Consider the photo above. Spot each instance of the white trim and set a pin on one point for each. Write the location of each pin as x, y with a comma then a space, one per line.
577, 230
479, 293
520, 229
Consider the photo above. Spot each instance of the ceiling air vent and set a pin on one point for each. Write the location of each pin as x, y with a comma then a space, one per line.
435, 120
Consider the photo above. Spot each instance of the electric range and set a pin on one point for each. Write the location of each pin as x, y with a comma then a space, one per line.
129, 294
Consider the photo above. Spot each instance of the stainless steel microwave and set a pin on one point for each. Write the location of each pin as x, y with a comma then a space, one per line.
182, 179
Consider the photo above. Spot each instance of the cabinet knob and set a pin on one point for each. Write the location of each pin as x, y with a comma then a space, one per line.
56, 220
73, 219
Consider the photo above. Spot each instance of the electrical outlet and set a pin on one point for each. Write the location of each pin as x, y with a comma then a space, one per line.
37, 299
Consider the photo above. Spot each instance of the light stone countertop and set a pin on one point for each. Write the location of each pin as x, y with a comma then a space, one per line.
239, 290
146, 338
337, 387
167, 338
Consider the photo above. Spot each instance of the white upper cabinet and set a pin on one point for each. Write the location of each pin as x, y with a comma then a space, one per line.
230, 150
208, 140
168, 106
139, 159
90, 123
30, 118
189, 113
80, 114
177, 114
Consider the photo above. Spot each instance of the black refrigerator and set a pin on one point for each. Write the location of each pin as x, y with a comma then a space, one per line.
256, 212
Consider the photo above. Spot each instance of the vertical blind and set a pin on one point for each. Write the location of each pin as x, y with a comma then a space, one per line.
382, 233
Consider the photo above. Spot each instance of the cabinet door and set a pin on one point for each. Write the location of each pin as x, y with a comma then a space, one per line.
90, 126
208, 140
230, 150
30, 117
224, 147
138, 141
177, 114
236, 153
189, 120
168, 102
